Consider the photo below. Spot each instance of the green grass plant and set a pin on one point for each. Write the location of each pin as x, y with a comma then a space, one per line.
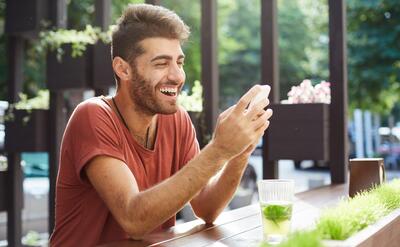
302, 239
350, 216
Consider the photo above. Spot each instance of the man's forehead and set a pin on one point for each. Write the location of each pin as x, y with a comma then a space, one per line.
162, 46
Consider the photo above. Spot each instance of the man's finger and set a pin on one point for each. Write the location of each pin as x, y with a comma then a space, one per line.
246, 98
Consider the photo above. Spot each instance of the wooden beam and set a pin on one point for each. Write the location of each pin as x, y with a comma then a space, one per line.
269, 70
102, 12
58, 123
58, 9
58, 13
338, 78
209, 63
15, 56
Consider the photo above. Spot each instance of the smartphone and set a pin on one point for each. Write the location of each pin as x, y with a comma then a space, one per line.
262, 95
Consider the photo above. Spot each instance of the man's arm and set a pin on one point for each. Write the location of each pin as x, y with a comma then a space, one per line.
221, 188
139, 212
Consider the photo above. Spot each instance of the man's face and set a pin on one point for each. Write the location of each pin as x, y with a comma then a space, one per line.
158, 76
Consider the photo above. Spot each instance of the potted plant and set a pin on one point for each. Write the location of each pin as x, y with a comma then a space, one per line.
299, 128
27, 124
369, 218
77, 59
25, 21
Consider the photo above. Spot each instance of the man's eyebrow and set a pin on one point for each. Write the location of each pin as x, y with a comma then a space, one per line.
165, 57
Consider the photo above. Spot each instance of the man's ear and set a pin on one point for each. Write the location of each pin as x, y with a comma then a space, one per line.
122, 69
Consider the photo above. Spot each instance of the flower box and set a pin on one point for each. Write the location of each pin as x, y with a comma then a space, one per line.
90, 70
27, 131
299, 132
24, 18
382, 233
102, 74
69, 72
3, 190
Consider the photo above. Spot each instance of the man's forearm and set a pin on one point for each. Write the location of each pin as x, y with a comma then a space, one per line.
152, 207
219, 190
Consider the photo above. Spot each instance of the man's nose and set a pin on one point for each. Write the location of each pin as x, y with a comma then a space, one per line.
176, 73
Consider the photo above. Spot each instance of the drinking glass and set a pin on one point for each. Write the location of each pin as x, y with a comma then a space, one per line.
276, 202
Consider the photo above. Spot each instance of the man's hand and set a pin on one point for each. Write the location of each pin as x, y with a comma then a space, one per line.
238, 128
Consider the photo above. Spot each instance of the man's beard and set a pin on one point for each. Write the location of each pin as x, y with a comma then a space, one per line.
143, 94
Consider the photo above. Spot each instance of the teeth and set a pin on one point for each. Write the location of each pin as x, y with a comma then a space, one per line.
168, 90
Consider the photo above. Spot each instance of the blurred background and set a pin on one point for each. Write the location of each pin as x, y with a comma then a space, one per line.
373, 34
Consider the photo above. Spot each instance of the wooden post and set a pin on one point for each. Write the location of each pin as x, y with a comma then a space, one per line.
14, 181
269, 70
102, 19
209, 63
58, 13
338, 78
58, 10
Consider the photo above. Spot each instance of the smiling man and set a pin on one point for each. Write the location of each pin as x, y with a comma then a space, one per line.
129, 163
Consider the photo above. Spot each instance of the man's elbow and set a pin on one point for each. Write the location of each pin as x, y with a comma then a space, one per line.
208, 218
135, 232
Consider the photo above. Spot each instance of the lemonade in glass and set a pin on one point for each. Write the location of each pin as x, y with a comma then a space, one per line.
276, 202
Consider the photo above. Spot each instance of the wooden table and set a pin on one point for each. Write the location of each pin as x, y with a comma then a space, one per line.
240, 227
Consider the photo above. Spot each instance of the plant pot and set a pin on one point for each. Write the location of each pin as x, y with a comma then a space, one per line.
91, 70
3, 200
69, 72
299, 132
24, 17
27, 136
382, 233
102, 72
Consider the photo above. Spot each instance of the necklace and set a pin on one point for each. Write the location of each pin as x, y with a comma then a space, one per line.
127, 127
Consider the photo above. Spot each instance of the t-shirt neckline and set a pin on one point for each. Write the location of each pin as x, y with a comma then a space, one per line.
128, 134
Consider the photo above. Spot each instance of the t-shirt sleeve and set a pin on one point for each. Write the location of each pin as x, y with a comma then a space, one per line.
92, 132
190, 144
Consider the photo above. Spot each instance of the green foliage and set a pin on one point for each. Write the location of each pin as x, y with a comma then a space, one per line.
117, 7
79, 40
374, 54
349, 216
277, 213
302, 44
32, 238
190, 14
194, 101
41, 101
353, 215
303, 239
239, 48
80, 13
389, 194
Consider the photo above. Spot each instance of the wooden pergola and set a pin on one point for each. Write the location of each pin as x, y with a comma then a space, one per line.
209, 78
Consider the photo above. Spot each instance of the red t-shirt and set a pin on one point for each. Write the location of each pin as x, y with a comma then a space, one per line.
82, 218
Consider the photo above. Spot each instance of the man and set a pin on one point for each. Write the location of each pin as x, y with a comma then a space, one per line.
129, 163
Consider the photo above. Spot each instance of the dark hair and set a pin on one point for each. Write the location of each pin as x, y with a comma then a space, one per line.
141, 21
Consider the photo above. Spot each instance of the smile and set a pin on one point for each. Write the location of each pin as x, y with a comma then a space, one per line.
169, 91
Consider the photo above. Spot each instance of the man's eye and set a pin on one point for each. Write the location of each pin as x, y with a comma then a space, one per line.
181, 63
161, 64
